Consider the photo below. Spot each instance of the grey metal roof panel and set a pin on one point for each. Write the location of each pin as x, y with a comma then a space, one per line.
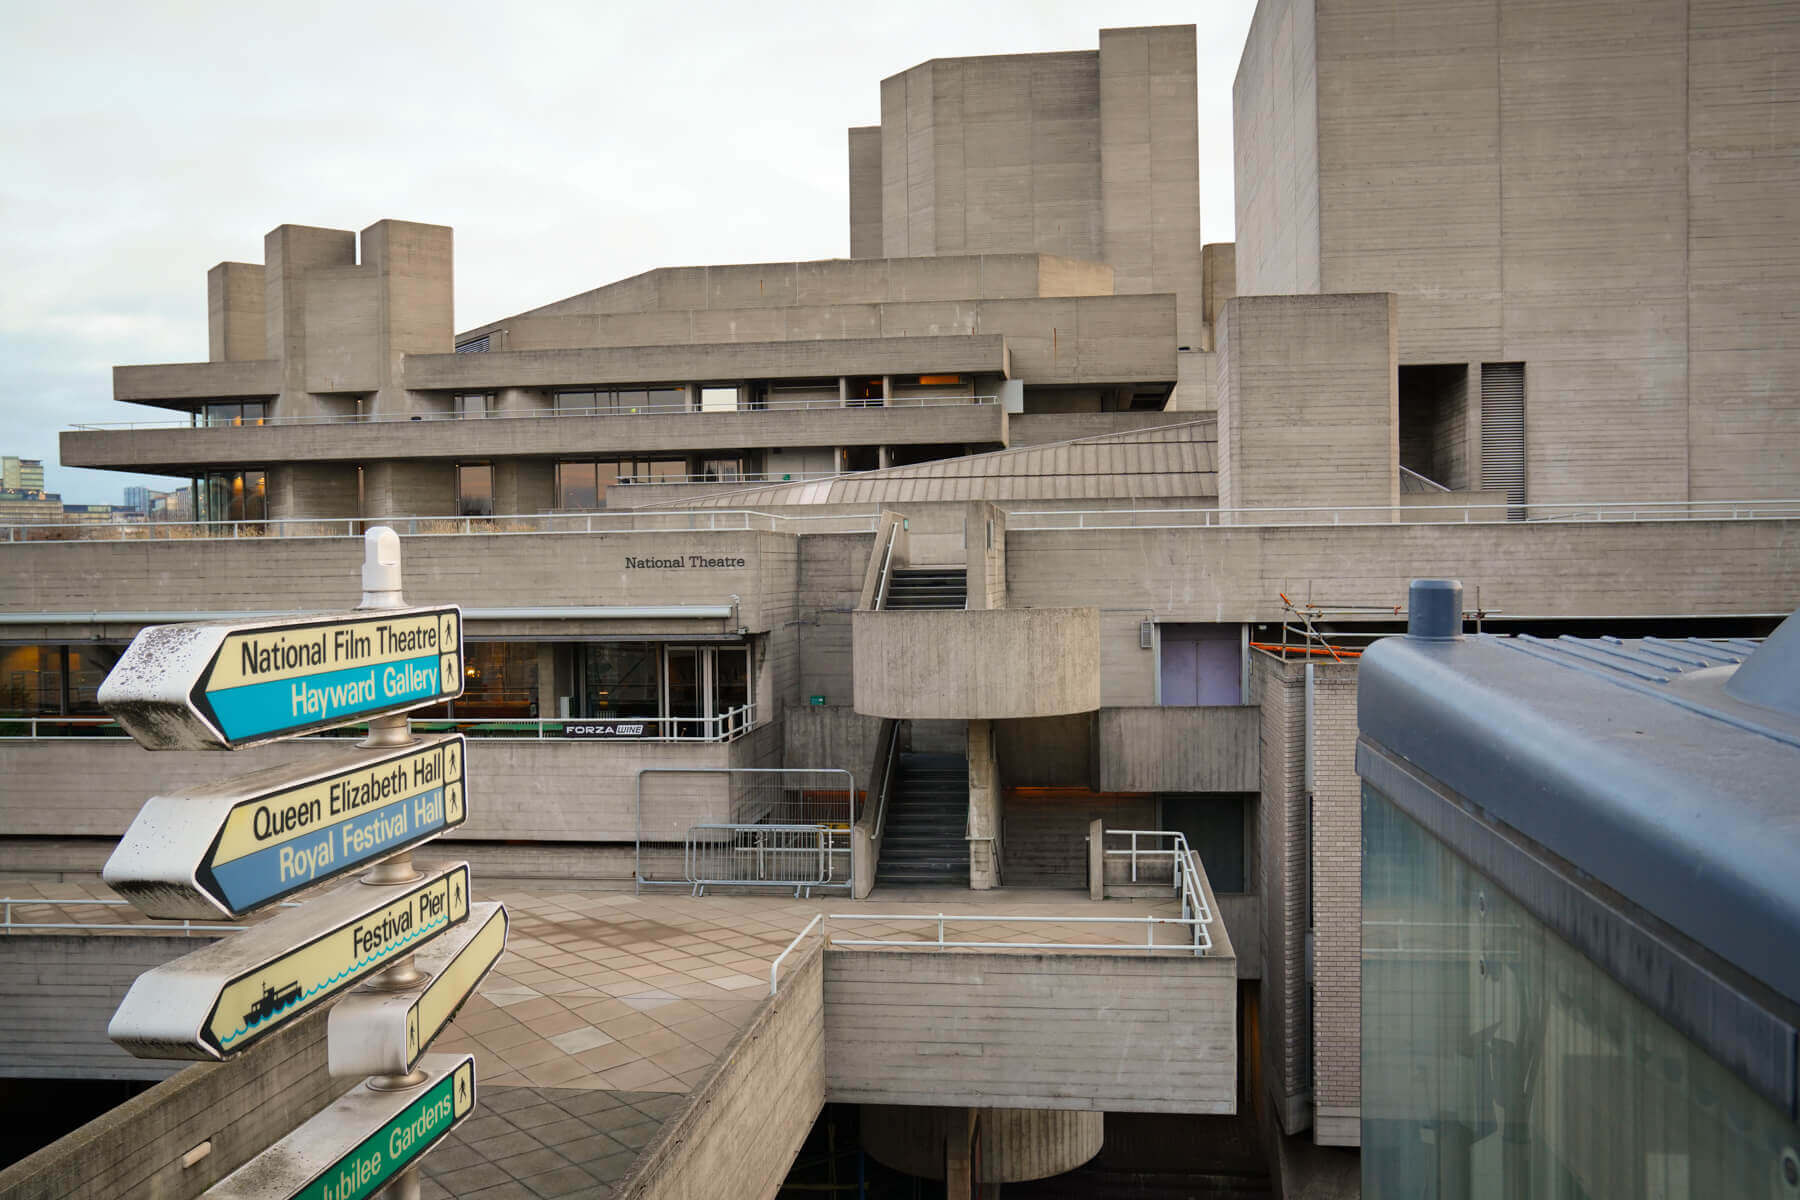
1628, 759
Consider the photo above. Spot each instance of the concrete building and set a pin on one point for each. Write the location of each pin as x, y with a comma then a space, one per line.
1042, 520
21, 474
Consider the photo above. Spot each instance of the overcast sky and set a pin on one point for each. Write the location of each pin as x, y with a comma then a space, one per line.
568, 144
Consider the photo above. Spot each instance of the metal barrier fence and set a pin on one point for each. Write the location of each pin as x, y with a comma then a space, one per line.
799, 856
745, 827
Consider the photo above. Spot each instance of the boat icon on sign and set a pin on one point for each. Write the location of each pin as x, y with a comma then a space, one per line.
272, 1001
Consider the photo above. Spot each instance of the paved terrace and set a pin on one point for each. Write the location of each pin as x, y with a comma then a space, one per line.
609, 1007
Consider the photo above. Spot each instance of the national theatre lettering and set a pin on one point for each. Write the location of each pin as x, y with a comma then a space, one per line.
679, 563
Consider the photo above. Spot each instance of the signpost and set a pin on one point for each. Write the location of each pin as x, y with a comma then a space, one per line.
217, 1001
231, 848
240, 845
232, 684
384, 1033
357, 1145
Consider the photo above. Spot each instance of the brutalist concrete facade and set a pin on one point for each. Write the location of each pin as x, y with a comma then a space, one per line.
1031, 368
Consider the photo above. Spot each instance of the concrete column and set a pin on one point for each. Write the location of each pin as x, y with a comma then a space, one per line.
408, 489
524, 486
1016, 1143
984, 555
693, 396
884, 457
887, 389
843, 391
959, 1157
984, 808
320, 490
521, 402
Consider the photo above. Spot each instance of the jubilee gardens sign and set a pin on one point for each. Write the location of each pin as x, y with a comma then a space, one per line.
395, 952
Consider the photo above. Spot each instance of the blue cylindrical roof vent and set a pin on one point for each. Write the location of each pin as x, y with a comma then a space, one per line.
1434, 609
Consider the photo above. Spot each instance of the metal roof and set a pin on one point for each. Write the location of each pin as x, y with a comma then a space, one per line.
1170, 462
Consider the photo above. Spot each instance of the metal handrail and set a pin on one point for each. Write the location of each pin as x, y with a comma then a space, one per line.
188, 927
1042, 520
727, 726
887, 573
776, 404
1202, 939
790, 949
1184, 867
633, 521
891, 760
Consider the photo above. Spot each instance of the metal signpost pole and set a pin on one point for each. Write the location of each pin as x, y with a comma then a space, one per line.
396, 952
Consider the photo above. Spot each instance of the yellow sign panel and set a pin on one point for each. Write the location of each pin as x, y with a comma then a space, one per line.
447, 991
267, 997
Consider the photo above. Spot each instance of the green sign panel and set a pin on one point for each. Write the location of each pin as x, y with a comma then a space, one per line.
366, 1169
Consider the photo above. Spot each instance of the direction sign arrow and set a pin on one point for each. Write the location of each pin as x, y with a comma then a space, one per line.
232, 847
384, 1033
358, 1144
219, 1000
232, 684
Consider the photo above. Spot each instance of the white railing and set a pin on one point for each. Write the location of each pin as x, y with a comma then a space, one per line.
699, 520
724, 727
188, 928
1184, 867
1028, 520
774, 404
798, 937
1200, 943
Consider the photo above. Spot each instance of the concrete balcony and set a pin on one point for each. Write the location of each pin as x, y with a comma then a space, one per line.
183, 449
1179, 749
994, 664
182, 385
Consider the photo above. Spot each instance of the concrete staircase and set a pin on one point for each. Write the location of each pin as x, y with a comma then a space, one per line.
928, 587
923, 842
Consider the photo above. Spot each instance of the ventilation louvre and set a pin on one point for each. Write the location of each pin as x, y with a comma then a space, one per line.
1503, 434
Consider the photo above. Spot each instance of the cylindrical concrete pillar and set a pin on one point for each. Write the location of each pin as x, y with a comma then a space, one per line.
1016, 1143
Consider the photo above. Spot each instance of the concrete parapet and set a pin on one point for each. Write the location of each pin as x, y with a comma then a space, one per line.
1106, 1032
745, 1122
1170, 749
974, 665
239, 1108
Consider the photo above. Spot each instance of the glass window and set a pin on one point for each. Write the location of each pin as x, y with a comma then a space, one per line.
1499, 1061
576, 485
722, 470
231, 496
1215, 828
474, 490
31, 680
500, 681
88, 667
620, 680
574, 402
668, 398
628, 400
734, 677
473, 404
